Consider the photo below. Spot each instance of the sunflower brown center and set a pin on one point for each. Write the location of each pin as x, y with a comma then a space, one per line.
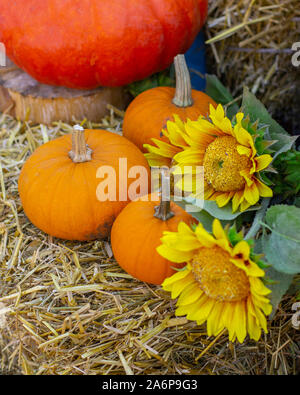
218, 277
223, 163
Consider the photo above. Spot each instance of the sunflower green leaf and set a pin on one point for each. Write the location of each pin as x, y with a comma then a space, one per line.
279, 285
282, 246
216, 90
257, 111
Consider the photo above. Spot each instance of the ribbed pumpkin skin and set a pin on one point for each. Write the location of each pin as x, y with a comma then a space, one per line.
149, 112
59, 196
88, 43
135, 235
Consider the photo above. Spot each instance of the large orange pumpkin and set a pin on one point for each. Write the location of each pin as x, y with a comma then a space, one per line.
87, 43
59, 188
149, 112
137, 232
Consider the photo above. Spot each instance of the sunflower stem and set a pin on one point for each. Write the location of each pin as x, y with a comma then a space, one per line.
183, 92
80, 151
163, 211
257, 219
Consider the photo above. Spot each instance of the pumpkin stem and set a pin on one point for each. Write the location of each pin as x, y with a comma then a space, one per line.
183, 93
80, 152
163, 211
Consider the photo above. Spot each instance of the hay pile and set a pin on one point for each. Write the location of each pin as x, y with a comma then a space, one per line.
68, 308
250, 43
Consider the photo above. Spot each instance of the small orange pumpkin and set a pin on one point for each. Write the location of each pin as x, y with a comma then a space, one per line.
58, 183
148, 113
137, 232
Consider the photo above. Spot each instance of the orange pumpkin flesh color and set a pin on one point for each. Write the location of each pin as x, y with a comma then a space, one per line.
137, 232
58, 183
148, 113
83, 44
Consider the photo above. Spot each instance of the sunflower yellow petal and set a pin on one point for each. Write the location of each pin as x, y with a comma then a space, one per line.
218, 117
239, 117
242, 248
192, 307
259, 300
189, 157
201, 131
247, 176
242, 150
224, 198
231, 326
190, 295
262, 319
199, 134
174, 255
174, 134
251, 268
179, 286
251, 309
239, 321
227, 314
263, 189
263, 162
190, 184
168, 282
214, 320
183, 242
208, 191
244, 205
243, 137
259, 287
218, 230
254, 330
172, 239
224, 244
179, 123
183, 228
157, 160
262, 303
236, 200
204, 237
162, 148
203, 311
251, 194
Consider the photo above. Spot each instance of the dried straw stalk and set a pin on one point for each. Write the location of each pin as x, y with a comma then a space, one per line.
250, 43
68, 308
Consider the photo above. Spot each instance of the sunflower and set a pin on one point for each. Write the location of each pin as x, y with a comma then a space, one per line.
221, 282
227, 153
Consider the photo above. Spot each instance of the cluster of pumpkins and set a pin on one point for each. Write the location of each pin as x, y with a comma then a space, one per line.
58, 182
83, 44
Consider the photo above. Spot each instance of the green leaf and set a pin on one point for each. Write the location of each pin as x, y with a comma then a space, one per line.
297, 201
204, 218
287, 180
282, 248
257, 111
223, 213
265, 179
197, 213
217, 91
159, 79
234, 236
286, 143
279, 286
277, 282
202, 215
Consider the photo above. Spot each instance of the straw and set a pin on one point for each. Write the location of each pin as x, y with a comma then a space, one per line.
68, 308
250, 43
